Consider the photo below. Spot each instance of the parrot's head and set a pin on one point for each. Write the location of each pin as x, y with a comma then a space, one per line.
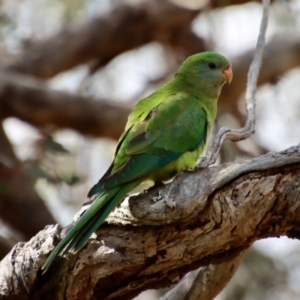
208, 71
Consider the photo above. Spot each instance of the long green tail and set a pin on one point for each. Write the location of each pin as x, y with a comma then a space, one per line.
91, 219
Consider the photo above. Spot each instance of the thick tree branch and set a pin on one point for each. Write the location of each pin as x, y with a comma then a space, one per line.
219, 212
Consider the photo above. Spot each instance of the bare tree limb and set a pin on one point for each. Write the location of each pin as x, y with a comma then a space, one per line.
219, 213
31, 101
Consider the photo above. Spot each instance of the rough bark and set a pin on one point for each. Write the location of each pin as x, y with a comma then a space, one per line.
207, 216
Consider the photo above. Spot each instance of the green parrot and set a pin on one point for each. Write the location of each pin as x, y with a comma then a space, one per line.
165, 133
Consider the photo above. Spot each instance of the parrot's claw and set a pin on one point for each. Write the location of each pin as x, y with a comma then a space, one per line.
157, 198
156, 185
189, 170
202, 163
170, 202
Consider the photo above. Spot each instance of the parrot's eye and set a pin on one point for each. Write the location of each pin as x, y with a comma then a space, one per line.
212, 65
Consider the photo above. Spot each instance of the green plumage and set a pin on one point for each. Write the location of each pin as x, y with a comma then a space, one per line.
166, 132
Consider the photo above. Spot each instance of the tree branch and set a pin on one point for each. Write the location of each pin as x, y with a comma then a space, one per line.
31, 101
219, 213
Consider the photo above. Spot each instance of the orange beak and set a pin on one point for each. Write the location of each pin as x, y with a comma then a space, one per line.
228, 74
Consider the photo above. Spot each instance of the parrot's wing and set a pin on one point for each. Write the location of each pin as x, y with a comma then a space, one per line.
173, 128
176, 126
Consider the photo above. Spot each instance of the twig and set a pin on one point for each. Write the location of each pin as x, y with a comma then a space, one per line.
249, 128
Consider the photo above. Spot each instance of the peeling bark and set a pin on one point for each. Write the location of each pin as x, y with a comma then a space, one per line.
219, 213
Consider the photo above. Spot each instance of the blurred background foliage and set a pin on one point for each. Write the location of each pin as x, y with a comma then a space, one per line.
56, 164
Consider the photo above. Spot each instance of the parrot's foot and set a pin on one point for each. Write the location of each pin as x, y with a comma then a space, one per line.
190, 170
156, 198
167, 199
170, 202
156, 185
203, 163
